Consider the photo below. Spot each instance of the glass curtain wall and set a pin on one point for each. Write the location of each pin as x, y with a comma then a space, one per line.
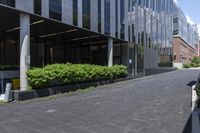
55, 9
8, 2
122, 16
116, 17
9, 48
141, 37
107, 17
37, 7
99, 16
75, 12
86, 14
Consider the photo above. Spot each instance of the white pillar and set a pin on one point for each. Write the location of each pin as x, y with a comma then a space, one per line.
24, 49
110, 52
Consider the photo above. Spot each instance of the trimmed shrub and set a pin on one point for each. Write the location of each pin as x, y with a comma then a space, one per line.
72, 73
194, 63
196, 60
165, 64
187, 66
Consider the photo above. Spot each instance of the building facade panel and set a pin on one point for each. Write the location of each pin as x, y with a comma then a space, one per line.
102, 16
45, 8
144, 27
94, 15
113, 18
67, 11
185, 37
80, 13
24, 5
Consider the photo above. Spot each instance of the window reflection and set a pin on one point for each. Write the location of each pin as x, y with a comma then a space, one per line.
55, 9
107, 17
37, 7
99, 16
86, 14
75, 12
8, 2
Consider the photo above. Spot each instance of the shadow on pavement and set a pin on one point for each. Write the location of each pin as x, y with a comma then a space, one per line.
188, 125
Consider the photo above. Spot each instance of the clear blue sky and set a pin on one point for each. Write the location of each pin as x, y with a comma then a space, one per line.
191, 8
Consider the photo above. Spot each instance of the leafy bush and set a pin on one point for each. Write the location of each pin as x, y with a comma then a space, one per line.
187, 66
72, 73
165, 64
196, 60
194, 63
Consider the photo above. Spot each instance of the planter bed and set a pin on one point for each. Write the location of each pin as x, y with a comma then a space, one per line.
53, 90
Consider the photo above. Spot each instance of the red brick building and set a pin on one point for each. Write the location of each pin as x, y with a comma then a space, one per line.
183, 52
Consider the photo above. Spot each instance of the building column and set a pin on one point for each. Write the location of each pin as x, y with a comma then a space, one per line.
24, 49
110, 52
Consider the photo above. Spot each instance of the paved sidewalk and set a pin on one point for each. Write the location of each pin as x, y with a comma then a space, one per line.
155, 104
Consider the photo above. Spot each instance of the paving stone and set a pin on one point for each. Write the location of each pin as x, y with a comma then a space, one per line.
154, 104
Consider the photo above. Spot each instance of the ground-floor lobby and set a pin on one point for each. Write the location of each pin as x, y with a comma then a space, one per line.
32, 41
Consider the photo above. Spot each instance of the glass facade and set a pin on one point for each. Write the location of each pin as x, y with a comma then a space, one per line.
116, 17
182, 28
122, 17
55, 9
37, 7
107, 17
86, 14
99, 16
143, 29
8, 2
75, 12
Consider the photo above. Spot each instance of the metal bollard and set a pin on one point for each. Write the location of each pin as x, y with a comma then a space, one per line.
7, 92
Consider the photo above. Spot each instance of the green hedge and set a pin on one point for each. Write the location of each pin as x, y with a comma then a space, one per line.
194, 63
165, 64
187, 65
72, 73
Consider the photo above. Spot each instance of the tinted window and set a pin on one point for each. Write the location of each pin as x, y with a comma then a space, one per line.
122, 19
86, 14
107, 17
75, 12
8, 2
55, 9
116, 18
99, 16
37, 7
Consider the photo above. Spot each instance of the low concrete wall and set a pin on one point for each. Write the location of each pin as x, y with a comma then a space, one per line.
152, 71
36, 93
178, 65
